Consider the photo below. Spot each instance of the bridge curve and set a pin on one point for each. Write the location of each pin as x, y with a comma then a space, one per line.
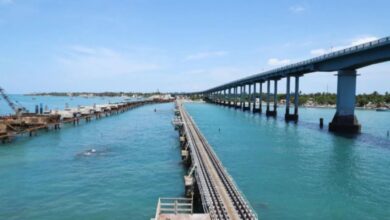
242, 93
350, 58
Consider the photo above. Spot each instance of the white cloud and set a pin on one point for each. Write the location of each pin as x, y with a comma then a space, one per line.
278, 62
100, 62
297, 9
205, 55
353, 42
363, 40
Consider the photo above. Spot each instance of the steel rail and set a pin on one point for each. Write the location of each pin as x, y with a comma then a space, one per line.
216, 205
241, 205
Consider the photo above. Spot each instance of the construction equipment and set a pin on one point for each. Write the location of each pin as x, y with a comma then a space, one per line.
18, 109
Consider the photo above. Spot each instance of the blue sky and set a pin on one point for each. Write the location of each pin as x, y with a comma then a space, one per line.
145, 45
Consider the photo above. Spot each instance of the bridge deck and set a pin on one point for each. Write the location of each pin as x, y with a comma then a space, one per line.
220, 196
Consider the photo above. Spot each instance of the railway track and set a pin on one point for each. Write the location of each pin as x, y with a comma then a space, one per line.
220, 195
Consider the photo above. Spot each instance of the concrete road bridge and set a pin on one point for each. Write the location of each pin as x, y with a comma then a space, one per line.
346, 62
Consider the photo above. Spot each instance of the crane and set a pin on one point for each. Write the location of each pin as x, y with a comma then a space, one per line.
18, 109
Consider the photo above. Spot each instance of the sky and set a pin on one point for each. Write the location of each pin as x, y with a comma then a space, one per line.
179, 46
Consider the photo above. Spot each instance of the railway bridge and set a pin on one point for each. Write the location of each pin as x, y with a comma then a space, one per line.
219, 195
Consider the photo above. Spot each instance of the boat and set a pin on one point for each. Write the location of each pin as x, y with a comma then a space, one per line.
382, 109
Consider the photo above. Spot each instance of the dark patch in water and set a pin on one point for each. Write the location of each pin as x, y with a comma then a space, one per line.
261, 206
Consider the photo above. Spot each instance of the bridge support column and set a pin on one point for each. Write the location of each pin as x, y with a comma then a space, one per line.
228, 98
344, 120
220, 97
288, 116
225, 97
235, 97
242, 97
268, 95
254, 109
250, 97
272, 112
261, 97
247, 96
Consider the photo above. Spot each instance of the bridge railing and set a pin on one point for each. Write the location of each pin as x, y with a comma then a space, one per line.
174, 206
333, 54
385, 40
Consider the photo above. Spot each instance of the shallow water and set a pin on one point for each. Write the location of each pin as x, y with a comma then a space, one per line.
290, 171
137, 160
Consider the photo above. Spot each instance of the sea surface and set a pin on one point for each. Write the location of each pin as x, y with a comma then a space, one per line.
52, 175
299, 171
286, 170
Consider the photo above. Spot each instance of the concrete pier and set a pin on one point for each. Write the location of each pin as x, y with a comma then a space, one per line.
288, 116
345, 120
272, 113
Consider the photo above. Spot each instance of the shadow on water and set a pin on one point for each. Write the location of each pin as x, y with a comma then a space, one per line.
362, 137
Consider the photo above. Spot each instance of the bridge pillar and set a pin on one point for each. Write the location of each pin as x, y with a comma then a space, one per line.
220, 97
268, 95
254, 109
242, 97
296, 96
345, 120
229, 97
227, 102
288, 116
235, 97
261, 97
250, 97
225, 97
272, 112
231, 102
275, 95
247, 96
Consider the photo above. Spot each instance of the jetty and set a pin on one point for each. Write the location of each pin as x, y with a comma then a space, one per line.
207, 180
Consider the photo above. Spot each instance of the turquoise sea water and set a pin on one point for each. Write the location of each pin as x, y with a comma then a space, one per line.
290, 171
286, 171
137, 160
